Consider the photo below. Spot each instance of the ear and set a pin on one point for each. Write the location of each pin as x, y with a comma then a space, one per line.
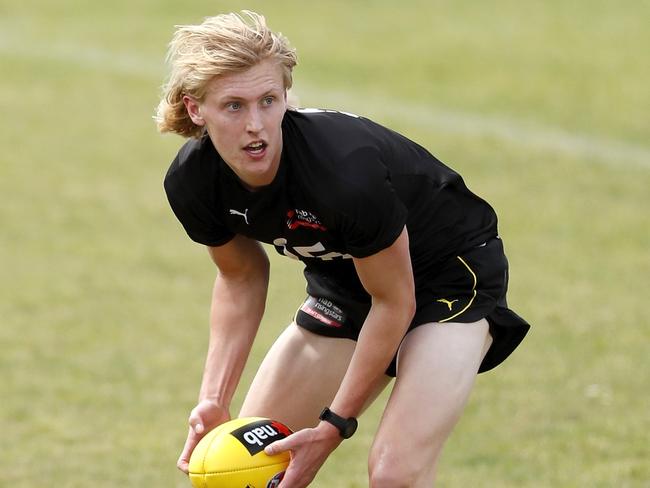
193, 110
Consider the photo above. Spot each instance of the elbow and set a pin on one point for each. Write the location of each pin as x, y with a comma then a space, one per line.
402, 308
409, 307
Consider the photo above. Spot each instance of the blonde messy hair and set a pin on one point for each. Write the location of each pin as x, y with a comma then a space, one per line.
224, 44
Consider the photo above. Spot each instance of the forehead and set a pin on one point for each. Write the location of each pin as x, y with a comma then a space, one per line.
258, 80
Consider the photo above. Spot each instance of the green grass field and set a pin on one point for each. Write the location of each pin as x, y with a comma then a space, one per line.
542, 106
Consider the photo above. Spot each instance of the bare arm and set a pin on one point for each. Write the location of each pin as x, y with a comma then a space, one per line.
388, 278
238, 300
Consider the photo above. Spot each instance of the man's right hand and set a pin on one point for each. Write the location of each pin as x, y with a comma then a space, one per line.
203, 418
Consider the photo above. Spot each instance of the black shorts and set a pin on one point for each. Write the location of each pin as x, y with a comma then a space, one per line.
465, 289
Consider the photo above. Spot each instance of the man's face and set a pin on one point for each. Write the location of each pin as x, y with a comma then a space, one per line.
243, 113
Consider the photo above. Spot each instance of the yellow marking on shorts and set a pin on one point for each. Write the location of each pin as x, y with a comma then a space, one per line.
450, 304
473, 292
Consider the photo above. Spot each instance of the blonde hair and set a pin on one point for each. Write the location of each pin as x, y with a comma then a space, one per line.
223, 44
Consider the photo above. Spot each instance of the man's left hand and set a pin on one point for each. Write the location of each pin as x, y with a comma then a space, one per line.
309, 450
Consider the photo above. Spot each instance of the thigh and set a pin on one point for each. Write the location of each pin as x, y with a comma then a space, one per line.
299, 376
437, 367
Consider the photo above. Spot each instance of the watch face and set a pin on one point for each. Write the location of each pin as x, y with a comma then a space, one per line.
350, 428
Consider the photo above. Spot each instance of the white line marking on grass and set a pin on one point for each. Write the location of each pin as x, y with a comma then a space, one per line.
522, 133
93, 58
612, 152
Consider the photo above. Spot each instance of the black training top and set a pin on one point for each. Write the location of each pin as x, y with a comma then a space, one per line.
345, 187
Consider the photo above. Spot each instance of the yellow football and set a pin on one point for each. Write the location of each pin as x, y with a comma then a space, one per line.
232, 455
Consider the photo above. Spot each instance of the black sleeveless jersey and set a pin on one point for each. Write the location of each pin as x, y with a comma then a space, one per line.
345, 187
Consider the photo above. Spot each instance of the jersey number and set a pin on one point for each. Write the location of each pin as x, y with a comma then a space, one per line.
313, 251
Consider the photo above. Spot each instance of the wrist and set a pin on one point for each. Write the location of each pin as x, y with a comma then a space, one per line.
329, 435
215, 401
215, 396
329, 430
345, 427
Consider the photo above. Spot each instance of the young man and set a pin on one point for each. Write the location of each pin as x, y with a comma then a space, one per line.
406, 275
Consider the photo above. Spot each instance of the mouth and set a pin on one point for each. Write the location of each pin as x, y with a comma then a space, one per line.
256, 148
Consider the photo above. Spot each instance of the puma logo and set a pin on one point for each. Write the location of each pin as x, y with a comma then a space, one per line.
447, 302
236, 212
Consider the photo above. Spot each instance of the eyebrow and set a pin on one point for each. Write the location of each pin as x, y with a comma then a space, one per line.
237, 98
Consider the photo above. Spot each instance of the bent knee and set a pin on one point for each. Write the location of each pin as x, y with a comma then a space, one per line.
397, 470
389, 477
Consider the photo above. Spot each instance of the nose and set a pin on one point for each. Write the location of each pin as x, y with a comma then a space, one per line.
254, 122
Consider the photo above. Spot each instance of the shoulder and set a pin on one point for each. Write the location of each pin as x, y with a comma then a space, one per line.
341, 129
337, 153
190, 159
331, 141
193, 167
191, 187
351, 144
343, 162
192, 178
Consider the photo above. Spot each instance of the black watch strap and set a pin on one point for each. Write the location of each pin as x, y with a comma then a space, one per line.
346, 427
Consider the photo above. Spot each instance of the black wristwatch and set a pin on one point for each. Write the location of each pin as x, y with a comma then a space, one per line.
346, 427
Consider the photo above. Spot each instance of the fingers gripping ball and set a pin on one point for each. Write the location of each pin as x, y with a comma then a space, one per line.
232, 455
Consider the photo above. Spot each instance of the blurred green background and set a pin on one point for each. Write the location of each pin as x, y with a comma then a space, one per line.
541, 105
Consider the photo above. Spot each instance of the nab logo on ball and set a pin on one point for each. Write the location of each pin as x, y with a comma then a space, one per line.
257, 435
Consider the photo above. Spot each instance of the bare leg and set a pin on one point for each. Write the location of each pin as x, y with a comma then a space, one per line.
437, 366
299, 376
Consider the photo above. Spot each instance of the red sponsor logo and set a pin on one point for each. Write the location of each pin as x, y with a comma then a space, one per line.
319, 316
302, 218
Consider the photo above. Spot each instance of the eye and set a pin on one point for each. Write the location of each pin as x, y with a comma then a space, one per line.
233, 106
268, 100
